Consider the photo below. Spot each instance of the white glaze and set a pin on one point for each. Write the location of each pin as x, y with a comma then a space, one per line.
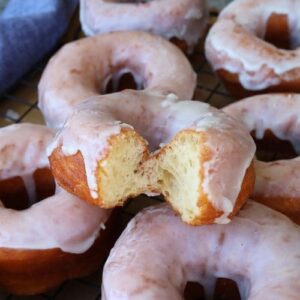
158, 119
115, 78
279, 179
157, 255
81, 69
61, 221
235, 43
182, 19
280, 114
21, 148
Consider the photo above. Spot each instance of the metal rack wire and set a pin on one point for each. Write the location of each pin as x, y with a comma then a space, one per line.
20, 105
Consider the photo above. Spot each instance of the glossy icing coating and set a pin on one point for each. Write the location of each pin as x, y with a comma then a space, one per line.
62, 221
182, 19
280, 114
235, 43
279, 179
81, 69
158, 119
157, 255
277, 112
21, 149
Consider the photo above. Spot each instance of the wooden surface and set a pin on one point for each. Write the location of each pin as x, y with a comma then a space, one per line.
20, 105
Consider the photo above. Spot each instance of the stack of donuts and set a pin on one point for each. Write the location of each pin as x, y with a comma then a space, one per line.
110, 137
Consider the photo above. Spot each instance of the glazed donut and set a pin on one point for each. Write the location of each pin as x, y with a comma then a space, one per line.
83, 68
56, 239
100, 157
157, 255
184, 21
274, 116
253, 47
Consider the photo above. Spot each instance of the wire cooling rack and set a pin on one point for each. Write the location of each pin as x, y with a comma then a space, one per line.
20, 105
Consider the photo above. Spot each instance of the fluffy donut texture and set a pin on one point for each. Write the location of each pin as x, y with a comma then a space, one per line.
198, 152
56, 239
83, 69
157, 255
277, 116
183, 20
253, 47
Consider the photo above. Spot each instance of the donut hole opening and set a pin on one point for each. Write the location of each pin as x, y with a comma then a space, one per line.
271, 148
20, 193
278, 33
194, 291
123, 79
181, 44
225, 289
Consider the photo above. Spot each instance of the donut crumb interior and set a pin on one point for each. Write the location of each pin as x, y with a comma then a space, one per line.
175, 171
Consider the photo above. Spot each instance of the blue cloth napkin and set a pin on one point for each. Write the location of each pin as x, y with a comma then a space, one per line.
29, 29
